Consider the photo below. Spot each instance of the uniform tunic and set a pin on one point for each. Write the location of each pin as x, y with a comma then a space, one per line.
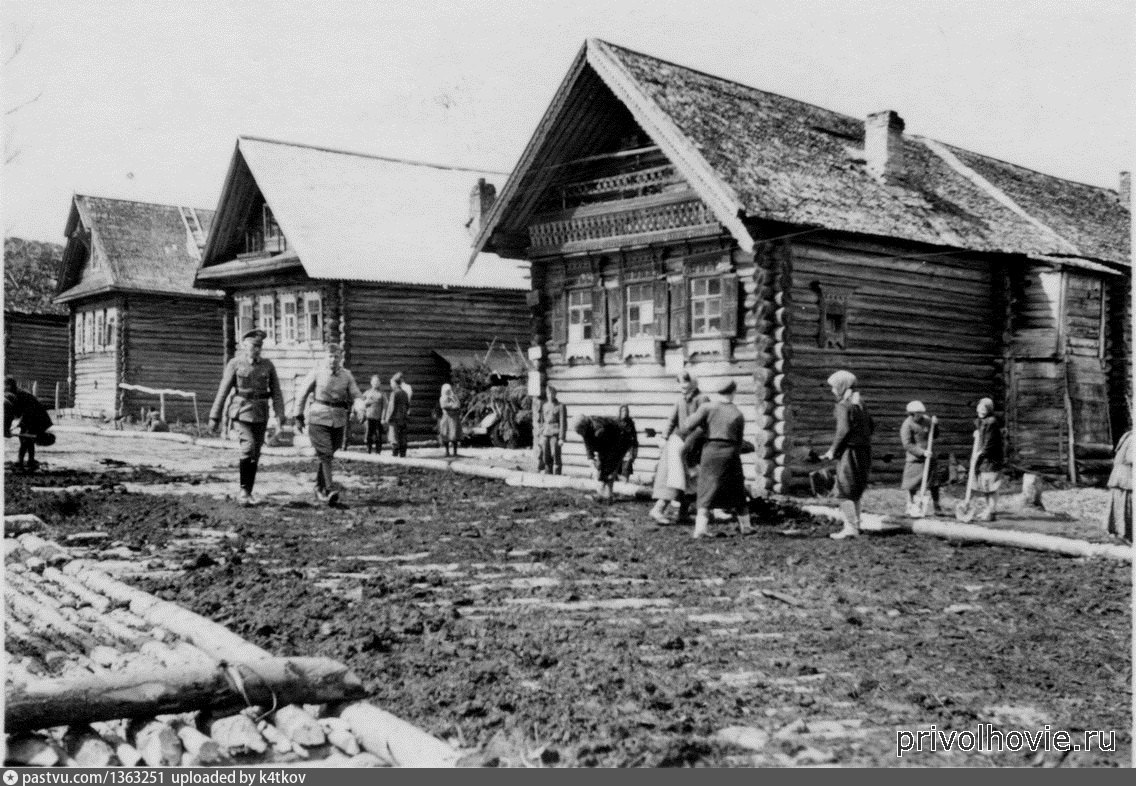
332, 396
914, 434
852, 446
721, 483
256, 384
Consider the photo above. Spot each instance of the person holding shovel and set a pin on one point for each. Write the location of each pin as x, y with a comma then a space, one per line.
852, 448
918, 434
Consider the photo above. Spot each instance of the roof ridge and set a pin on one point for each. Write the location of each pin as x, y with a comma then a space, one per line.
140, 202
1105, 189
720, 78
360, 154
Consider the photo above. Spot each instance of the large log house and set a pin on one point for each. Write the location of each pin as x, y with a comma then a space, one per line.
315, 246
136, 318
675, 220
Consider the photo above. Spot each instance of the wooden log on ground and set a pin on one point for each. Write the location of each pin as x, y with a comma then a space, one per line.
113, 733
44, 549
393, 739
100, 603
41, 618
217, 640
158, 744
142, 693
20, 523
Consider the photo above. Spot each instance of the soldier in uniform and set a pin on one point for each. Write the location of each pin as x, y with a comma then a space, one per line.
334, 394
254, 382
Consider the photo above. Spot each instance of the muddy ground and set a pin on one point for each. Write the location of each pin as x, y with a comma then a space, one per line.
539, 627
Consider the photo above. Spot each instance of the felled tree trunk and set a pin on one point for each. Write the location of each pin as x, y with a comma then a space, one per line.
141, 693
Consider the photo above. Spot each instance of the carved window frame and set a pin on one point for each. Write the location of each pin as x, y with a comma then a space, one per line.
832, 324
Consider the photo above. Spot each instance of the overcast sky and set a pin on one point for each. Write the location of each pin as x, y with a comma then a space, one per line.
144, 99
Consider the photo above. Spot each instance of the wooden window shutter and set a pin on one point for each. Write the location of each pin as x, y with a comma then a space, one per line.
617, 320
560, 319
661, 309
680, 314
729, 305
599, 315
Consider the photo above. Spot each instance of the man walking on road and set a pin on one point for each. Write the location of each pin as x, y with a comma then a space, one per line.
334, 393
255, 383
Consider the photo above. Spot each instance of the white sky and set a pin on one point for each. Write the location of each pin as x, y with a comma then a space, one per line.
143, 99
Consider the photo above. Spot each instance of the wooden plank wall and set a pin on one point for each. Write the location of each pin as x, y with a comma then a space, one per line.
35, 350
173, 342
1118, 351
647, 386
392, 327
925, 329
95, 382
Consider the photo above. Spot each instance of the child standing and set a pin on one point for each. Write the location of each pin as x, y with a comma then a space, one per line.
374, 403
449, 419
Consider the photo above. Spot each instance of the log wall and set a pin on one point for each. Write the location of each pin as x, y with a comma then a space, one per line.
390, 328
36, 350
96, 374
172, 342
926, 329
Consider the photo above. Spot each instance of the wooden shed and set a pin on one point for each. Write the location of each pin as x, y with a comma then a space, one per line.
314, 245
136, 318
35, 328
676, 220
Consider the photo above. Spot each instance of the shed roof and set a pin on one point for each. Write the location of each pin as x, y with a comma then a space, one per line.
360, 217
750, 154
132, 245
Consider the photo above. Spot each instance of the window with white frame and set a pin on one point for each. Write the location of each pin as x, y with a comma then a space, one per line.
288, 333
705, 306
78, 333
111, 335
88, 331
640, 310
579, 315
244, 320
266, 316
313, 317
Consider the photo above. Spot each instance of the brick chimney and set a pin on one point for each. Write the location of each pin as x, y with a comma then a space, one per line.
481, 199
1126, 190
883, 145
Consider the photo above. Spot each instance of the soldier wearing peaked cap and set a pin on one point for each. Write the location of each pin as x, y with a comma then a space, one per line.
254, 382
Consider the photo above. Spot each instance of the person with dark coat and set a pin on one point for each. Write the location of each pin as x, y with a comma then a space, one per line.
675, 477
397, 414
1118, 521
852, 448
990, 457
606, 441
34, 423
721, 483
628, 465
255, 383
914, 434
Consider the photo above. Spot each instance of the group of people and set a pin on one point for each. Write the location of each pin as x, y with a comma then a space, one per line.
699, 461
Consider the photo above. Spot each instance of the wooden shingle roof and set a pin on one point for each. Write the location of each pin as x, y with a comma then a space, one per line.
118, 244
756, 155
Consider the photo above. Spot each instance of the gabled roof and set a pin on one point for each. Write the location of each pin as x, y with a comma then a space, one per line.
750, 154
119, 244
359, 217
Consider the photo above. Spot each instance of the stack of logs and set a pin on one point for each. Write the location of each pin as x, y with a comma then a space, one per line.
101, 674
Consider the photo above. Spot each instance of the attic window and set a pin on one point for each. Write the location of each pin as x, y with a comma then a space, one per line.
263, 233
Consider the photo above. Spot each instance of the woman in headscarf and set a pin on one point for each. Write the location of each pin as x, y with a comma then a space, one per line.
674, 477
989, 457
449, 419
852, 447
1118, 521
606, 442
721, 483
915, 433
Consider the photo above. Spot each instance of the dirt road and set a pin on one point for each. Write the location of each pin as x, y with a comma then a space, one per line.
541, 627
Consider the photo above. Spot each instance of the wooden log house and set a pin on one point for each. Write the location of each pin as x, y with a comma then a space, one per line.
314, 245
677, 220
136, 318
35, 353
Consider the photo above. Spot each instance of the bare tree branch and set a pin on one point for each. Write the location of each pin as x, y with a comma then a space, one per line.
22, 104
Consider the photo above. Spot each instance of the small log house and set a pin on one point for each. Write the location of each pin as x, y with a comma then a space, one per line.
675, 220
315, 246
136, 318
35, 353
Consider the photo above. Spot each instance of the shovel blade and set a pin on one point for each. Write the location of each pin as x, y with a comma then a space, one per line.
965, 511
